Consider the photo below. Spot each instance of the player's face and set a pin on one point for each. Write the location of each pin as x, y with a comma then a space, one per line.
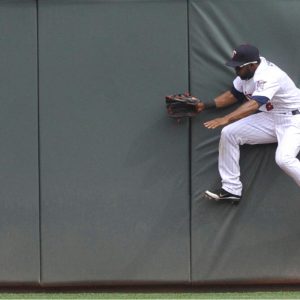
245, 72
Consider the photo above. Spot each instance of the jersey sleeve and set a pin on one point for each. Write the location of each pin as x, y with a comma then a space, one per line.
238, 95
266, 88
238, 85
260, 99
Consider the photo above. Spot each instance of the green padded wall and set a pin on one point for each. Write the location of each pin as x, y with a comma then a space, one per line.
115, 206
257, 241
95, 179
19, 190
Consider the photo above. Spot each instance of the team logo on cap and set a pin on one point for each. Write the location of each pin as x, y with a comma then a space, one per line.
233, 53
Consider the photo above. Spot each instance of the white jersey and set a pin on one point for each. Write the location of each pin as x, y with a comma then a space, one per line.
271, 82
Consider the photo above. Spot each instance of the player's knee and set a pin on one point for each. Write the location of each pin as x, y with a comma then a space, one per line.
284, 161
228, 134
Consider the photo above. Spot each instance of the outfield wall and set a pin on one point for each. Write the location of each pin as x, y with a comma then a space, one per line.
98, 185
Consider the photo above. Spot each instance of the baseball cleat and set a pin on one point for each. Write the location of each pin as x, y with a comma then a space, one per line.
221, 194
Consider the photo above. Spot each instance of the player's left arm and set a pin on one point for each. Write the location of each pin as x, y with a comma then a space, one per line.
242, 111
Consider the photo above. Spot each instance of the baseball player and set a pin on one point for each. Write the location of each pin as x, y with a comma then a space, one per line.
269, 113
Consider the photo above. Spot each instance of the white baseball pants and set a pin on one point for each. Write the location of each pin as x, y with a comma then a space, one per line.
260, 128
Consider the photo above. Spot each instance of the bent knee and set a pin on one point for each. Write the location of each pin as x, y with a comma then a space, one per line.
229, 133
284, 161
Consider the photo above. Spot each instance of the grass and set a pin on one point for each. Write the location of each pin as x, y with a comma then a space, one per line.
149, 295
291, 291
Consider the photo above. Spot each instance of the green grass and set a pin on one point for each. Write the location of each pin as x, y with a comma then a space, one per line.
147, 295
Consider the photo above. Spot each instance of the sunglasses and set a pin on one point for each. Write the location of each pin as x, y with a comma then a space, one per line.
248, 63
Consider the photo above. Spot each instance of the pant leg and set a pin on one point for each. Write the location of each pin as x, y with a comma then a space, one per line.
288, 135
255, 129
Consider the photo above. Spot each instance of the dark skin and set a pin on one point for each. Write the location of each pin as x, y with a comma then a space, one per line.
227, 99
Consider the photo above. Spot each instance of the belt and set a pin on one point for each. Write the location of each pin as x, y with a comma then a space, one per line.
293, 112
296, 112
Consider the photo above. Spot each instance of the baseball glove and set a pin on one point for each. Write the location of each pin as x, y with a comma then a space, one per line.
182, 105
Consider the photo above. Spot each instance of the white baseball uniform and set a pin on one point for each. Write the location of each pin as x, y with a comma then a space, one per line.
280, 124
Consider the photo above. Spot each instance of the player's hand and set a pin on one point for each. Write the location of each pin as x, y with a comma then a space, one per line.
216, 123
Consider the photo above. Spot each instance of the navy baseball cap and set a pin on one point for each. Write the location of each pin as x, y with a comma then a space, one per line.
243, 54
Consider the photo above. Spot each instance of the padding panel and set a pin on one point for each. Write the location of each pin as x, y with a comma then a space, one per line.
114, 169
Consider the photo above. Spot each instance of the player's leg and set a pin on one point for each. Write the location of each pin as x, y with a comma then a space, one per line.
288, 132
255, 129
